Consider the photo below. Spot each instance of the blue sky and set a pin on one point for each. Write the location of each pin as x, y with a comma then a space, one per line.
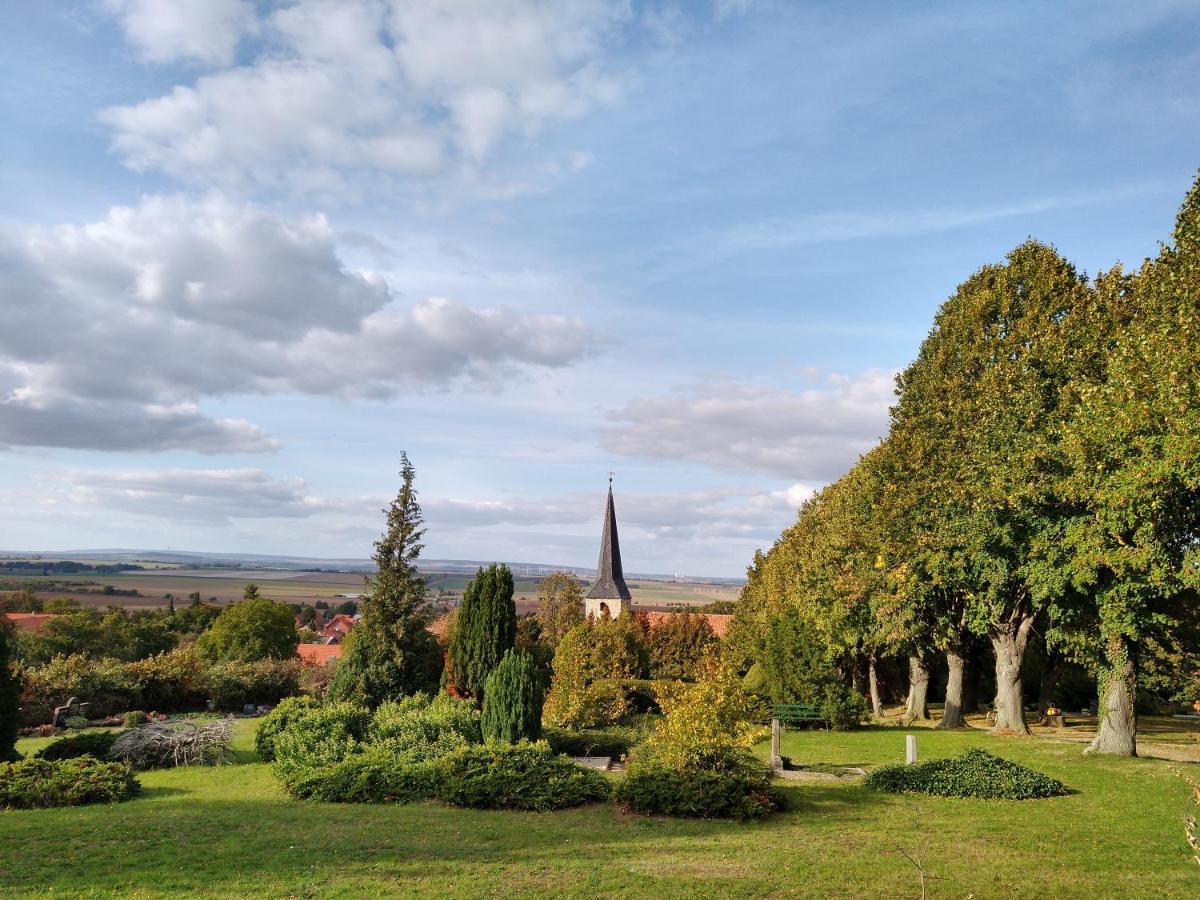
250, 251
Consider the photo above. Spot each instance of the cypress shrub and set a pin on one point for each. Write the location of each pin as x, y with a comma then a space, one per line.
516, 776
283, 715
485, 629
42, 783
512, 701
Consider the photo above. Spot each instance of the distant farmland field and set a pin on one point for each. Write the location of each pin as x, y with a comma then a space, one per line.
226, 585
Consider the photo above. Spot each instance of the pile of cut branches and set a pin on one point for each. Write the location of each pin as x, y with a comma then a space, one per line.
161, 745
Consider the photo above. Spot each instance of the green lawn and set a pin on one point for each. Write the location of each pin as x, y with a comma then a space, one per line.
230, 831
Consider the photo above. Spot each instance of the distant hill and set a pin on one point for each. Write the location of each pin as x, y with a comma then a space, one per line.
304, 563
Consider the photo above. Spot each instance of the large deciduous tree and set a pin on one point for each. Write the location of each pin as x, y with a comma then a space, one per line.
560, 606
484, 630
390, 653
1135, 452
251, 630
981, 414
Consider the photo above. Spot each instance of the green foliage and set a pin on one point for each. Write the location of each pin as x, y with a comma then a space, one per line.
116, 634
178, 681
320, 737
512, 701
797, 667
75, 723
560, 605
484, 630
520, 776
42, 783
391, 653
133, 718
707, 725
657, 789
251, 630
975, 773
288, 710
88, 743
10, 694
591, 661
419, 729
678, 644
231, 685
374, 776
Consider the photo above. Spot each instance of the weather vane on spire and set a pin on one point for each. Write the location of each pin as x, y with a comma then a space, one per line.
610, 477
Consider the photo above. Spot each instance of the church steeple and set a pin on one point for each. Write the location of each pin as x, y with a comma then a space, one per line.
610, 593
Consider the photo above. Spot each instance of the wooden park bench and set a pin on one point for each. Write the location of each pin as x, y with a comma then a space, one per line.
797, 713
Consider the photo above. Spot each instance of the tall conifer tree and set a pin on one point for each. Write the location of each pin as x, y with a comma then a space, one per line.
10, 695
390, 653
485, 630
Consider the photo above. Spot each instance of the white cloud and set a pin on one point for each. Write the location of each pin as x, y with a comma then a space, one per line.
210, 496
164, 31
117, 330
345, 88
808, 435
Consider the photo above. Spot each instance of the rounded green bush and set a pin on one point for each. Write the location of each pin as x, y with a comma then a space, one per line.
418, 728
656, 789
319, 737
521, 776
86, 743
43, 783
975, 773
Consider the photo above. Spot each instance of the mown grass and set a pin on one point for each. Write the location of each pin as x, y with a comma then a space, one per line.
230, 831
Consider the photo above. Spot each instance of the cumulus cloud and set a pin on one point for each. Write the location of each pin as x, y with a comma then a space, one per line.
117, 330
335, 88
203, 31
808, 435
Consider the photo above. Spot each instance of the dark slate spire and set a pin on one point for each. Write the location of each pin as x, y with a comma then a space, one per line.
610, 580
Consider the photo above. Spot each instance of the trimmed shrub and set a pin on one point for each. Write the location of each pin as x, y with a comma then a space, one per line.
320, 737
614, 741
417, 728
276, 721
376, 776
133, 718
975, 773
512, 701
657, 789
87, 743
516, 776
43, 783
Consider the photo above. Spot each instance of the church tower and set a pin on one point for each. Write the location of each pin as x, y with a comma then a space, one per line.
609, 594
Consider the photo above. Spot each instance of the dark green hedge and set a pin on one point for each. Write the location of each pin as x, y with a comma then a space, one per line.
655, 789
42, 783
377, 776
615, 740
975, 773
86, 743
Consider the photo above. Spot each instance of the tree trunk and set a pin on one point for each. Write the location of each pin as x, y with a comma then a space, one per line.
971, 674
1055, 662
918, 688
1118, 702
952, 716
873, 687
1009, 644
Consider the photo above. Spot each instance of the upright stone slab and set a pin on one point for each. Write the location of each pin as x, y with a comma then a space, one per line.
776, 759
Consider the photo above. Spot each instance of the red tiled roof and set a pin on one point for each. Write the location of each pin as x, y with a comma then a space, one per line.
318, 654
30, 621
718, 621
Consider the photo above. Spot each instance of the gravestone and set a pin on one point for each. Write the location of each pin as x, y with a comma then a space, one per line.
72, 708
776, 758
910, 749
